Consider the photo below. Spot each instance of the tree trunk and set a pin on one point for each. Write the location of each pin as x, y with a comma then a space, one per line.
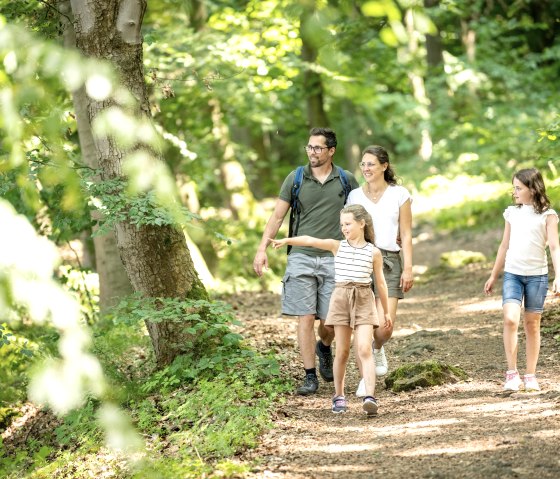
434, 46
240, 199
113, 281
312, 84
156, 259
197, 14
418, 89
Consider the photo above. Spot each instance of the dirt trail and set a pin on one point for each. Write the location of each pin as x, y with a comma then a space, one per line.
466, 430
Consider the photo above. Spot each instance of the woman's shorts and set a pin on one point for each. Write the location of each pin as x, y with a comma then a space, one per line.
392, 270
352, 304
531, 290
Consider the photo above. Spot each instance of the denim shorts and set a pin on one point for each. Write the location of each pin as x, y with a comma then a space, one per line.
307, 285
529, 289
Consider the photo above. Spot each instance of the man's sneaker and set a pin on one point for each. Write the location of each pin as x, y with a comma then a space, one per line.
325, 363
370, 406
381, 366
513, 381
531, 383
338, 404
361, 391
309, 386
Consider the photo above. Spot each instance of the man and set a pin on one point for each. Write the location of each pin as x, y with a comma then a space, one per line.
309, 278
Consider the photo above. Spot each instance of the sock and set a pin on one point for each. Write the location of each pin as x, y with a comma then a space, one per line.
370, 397
511, 371
311, 372
324, 348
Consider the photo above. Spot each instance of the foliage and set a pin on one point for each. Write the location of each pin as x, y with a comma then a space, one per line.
213, 350
229, 260
231, 85
195, 414
467, 203
117, 204
213, 400
460, 258
18, 346
84, 285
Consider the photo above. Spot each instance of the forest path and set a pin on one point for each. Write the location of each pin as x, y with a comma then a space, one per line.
468, 430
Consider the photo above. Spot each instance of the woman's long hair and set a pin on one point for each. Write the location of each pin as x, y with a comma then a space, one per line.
532, 179
359, 213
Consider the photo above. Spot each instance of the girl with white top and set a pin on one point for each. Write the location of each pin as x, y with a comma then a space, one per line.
352, 304
529, 226
389, 205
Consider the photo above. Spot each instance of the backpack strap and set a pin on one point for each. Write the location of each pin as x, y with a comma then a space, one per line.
295, 204
346, 187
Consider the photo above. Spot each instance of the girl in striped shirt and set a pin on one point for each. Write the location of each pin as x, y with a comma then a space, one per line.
352, 304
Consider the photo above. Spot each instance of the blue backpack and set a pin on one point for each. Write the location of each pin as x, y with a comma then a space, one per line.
295, 204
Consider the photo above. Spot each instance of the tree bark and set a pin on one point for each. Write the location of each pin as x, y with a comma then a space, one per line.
434, 46
312, 84
418, 89
240, 199
113, 281
197, 14
156, 258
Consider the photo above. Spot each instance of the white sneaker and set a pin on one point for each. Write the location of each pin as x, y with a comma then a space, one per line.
381, 366
361, 391
531, 383
513, 381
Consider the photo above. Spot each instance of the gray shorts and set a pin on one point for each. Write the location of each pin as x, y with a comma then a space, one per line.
307, 285
392, 270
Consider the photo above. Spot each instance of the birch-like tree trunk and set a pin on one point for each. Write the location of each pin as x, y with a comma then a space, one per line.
418, 89
156, 258
113, 281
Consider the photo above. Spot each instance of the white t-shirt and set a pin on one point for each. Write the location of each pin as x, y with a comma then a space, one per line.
385, 213
526, 254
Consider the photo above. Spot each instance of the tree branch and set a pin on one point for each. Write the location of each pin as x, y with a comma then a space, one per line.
52, 7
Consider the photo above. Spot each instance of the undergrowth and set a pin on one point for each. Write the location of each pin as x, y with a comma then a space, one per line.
194, 415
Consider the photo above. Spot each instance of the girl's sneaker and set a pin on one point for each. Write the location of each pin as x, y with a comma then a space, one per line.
531, 383
338, 404
513, 381
370, 406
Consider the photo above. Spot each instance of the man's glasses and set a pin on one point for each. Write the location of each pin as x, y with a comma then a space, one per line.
315, 149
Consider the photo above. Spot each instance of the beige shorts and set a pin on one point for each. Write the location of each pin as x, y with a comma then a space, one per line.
352, 304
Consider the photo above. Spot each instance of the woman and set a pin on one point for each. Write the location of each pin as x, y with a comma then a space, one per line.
390, 208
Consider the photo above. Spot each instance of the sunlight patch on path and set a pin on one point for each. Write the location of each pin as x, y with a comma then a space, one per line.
402, 332
546, 434
509, 406
339, 448
488, 305
421, 427
479, 446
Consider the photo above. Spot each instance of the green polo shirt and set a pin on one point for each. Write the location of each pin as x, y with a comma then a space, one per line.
320, 207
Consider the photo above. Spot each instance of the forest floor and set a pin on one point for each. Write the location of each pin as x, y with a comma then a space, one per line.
470, 429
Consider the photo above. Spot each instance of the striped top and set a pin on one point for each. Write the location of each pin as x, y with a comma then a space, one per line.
353, 264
